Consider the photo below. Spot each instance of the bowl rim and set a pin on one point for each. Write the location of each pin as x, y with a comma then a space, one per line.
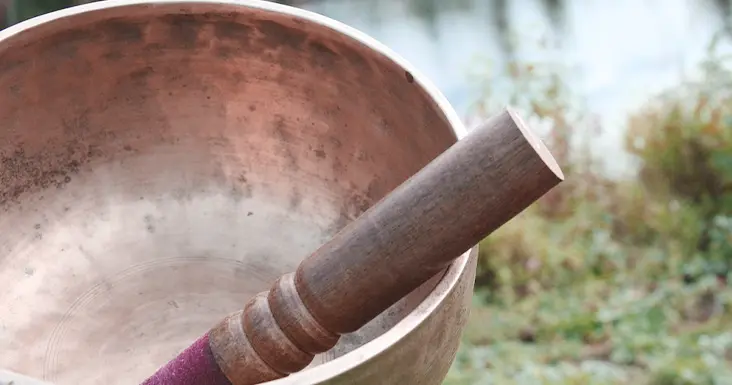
451, 275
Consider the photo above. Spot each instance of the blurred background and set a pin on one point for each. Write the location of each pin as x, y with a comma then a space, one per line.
621, 274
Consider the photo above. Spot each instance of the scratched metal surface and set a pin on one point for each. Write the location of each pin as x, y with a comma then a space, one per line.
161, 162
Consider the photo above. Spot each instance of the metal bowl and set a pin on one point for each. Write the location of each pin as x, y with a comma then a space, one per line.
163, 161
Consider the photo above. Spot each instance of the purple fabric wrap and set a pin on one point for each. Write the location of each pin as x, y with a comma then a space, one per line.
194, 366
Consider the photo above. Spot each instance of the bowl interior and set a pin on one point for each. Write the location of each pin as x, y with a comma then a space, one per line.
161, 164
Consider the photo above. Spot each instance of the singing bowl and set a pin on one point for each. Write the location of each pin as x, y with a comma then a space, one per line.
161, 162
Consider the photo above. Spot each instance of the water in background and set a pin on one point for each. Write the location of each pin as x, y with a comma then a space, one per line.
622, 51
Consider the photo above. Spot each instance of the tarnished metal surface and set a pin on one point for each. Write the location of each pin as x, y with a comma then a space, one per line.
163, 161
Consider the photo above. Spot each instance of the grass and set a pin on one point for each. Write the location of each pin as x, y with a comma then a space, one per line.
613, 281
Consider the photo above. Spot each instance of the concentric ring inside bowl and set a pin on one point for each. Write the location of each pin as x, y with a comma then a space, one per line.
161, 163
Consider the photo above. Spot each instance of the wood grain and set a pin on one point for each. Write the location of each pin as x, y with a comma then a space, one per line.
413, 233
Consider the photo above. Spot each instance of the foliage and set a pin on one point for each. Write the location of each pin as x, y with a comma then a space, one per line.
612, 281
21, 10
25, 9
685, 142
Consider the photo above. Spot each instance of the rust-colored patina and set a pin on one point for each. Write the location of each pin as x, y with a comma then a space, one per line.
163, 161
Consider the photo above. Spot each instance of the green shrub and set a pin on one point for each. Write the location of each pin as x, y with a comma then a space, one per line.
612, 281
684, 143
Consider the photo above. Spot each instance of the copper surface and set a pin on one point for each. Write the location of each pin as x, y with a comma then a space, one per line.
163, 161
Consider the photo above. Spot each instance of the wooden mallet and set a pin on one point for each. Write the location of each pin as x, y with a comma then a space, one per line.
474, 187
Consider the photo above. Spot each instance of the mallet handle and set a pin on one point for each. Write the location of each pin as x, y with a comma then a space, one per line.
417, 230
